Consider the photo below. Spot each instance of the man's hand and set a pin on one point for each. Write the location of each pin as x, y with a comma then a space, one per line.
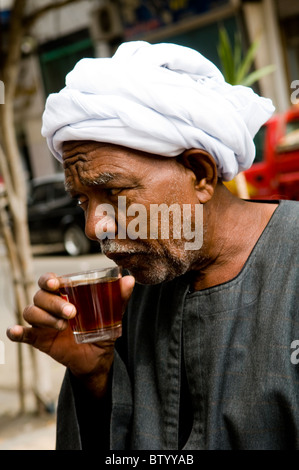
50, 332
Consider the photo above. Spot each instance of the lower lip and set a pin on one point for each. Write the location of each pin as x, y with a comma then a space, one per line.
121, 256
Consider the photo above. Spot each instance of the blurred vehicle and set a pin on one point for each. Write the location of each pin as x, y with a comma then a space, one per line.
275, 171
54, 217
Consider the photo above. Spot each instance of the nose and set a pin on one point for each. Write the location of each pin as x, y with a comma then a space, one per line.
100, 222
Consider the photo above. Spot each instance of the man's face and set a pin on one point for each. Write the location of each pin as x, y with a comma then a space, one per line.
98, 174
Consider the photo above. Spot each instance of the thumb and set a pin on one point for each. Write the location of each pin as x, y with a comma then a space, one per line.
127, 284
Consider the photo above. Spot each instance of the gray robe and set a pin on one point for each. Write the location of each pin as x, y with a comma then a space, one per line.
212, 369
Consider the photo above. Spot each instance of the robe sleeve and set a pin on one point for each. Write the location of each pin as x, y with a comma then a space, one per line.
83, 421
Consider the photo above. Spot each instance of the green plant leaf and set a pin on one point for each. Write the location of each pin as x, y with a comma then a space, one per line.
257, 75
237, 51
235, 68
247, 62
226, 55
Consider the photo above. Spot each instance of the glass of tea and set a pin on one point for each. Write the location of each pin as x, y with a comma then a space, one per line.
96, 296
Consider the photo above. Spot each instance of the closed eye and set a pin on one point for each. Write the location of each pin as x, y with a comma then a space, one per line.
114, 191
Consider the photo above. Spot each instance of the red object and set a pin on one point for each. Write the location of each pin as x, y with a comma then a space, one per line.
275, 171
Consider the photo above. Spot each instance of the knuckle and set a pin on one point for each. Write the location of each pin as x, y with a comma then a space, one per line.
48, 301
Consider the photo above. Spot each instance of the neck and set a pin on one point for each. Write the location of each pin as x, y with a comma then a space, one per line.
232, 228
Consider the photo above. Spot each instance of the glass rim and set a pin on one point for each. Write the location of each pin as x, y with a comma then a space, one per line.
90, 274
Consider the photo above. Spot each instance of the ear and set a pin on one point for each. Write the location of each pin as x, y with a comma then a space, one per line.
204, 167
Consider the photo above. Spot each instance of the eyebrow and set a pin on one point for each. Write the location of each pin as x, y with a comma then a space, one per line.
100, 180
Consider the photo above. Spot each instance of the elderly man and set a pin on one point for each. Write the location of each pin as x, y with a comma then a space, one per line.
205, 358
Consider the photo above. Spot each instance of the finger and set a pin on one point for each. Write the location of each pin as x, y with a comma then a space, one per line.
35, 316
54, 304
127, 284
49, 281
21, 334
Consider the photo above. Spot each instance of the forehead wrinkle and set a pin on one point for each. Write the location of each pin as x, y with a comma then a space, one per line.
82, 164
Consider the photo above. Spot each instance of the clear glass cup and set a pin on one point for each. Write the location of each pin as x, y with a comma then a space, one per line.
96, 296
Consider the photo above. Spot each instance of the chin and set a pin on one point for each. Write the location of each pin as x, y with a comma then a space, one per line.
152, 269
150, 276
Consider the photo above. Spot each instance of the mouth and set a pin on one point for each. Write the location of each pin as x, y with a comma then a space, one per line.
120, 256
128, 260
115, 256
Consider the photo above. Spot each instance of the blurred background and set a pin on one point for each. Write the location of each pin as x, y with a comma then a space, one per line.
255, 43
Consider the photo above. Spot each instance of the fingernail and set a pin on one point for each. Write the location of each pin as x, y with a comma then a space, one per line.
52, 283
68, 310
11, 333
61, 324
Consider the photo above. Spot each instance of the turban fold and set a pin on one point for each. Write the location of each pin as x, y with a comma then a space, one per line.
161, 99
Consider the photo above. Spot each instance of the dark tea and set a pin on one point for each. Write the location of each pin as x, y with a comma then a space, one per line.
99, 307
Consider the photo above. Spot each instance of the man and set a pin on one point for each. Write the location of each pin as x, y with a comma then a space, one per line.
205, 358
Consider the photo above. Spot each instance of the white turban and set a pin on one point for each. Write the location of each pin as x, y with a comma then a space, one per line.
161, 99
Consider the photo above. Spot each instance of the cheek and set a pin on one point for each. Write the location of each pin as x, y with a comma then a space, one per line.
100, 221
179, 190
159, 223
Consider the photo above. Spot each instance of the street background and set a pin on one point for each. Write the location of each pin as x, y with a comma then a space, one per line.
31, 431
